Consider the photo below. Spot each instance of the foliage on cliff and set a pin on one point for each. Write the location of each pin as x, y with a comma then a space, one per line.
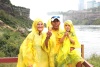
10, 42
13, 28
15, 22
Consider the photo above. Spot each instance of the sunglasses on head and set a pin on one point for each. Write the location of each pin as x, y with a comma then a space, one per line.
55, 17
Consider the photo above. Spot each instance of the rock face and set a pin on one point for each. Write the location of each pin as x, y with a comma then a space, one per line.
1, 23
14, 10
82, 15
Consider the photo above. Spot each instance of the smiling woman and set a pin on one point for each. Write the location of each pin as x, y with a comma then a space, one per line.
31, 53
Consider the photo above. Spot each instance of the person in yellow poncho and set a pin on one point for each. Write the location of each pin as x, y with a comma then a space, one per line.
31, 53
68, 53
49, 45
54, 26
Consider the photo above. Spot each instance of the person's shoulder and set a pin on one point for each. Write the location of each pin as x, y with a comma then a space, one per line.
30, 35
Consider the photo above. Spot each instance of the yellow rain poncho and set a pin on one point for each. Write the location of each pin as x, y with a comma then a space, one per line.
31, 51
51, 46
72, 34
50, 50
48, 24
56, 35
65, 56
55, 38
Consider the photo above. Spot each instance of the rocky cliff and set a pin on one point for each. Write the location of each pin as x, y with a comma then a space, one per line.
14, 10
84, 17
14, 16
14, 21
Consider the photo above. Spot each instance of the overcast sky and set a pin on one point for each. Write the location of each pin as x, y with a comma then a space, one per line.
41, 7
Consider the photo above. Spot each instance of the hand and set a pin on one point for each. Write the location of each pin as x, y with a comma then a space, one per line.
71, 49
30, 66
49, 34
66, 34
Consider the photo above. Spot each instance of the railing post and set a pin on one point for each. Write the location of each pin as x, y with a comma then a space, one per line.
8, 59
82, 50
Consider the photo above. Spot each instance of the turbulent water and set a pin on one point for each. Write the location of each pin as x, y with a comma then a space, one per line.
89, 35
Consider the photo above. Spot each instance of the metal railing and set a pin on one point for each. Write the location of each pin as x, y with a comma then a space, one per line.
15, 59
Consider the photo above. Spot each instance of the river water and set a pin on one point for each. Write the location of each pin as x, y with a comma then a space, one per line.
89, 35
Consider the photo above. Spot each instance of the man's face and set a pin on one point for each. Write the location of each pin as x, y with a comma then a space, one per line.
55, 25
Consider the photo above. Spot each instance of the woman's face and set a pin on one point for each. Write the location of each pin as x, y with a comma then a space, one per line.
40, 26
67, 27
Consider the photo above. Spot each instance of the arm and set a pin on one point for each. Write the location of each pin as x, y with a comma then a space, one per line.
64, 36
47, 38
46, 41
62, 39
71, 40
67, 35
